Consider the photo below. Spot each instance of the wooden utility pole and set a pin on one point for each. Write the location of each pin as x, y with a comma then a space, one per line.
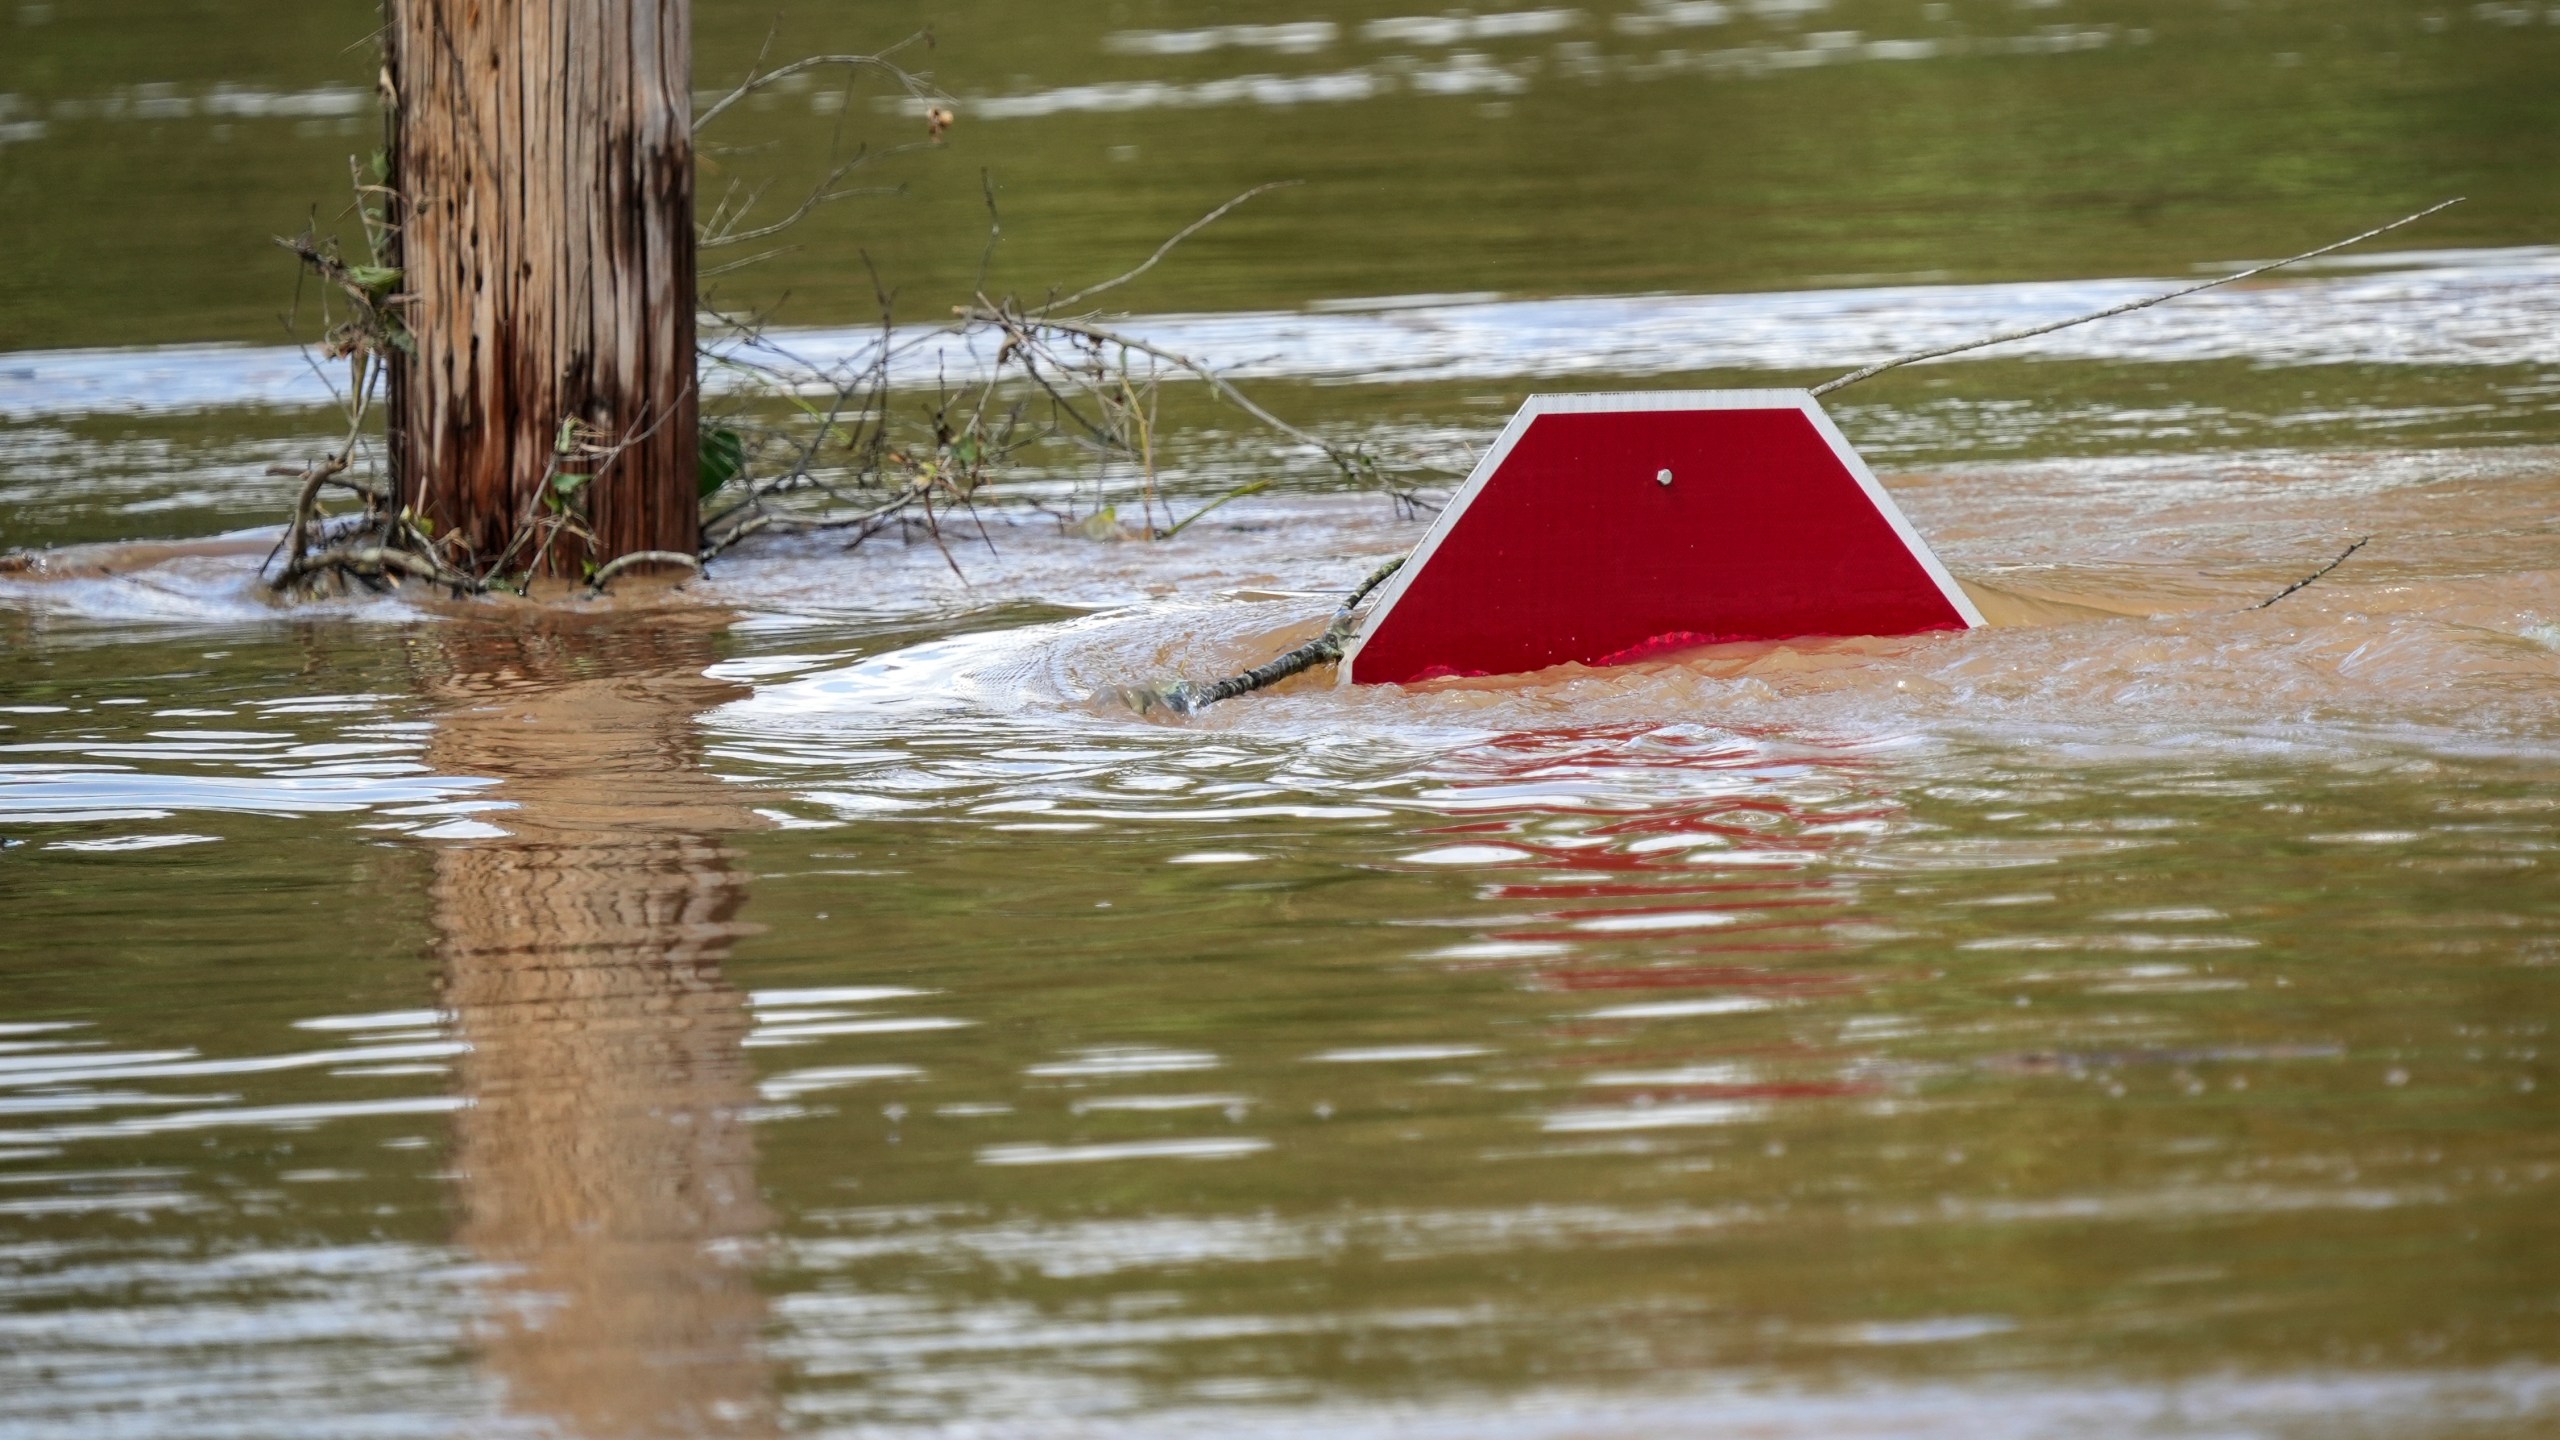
541, 152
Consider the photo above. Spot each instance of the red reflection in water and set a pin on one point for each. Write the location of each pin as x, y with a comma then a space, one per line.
1820, 902
1691, 941
1693, 977
1619, 1058
1598, 753
1764, 1090
1611, 889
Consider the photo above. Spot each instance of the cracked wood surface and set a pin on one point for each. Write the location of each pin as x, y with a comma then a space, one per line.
543, 152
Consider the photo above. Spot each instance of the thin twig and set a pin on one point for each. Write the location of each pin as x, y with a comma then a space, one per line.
713, 545
357, 484
914, 87
758, 258
1191, 697
376, 559
2314, 575
995, 230
611, 568
1185, 233
1349, 461
324, 471
822, 195
1251, 488
866, 523
1881, 366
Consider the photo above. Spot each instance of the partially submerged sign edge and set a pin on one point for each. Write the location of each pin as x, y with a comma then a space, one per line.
1958, 612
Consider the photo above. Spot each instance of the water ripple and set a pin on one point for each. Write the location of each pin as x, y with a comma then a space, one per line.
2464, 308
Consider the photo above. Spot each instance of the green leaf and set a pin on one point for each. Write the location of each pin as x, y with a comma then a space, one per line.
724, 455
381, 167
380, 279
569, 482
1238, 493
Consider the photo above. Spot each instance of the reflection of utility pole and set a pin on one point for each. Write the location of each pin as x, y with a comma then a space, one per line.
604, 1158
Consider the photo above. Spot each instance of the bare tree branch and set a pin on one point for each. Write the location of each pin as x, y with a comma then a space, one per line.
881, 62
2314, 575
1190, 697
1185, 233
1881, 366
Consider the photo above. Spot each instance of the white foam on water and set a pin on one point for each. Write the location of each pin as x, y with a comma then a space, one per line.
2463, 308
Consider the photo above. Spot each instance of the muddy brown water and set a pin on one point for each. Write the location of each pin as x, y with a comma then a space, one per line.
805, 1003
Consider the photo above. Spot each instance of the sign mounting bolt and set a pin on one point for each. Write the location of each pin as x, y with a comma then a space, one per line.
1661, 477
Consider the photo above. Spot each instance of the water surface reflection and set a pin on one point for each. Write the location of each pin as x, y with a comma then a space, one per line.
604, 1158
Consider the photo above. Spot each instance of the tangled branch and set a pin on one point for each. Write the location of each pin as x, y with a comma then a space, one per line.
850, 454
1190, 697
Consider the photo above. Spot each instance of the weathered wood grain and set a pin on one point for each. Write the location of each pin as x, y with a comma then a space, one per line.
543, 155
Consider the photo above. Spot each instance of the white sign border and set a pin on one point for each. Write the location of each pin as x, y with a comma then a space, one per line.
1607, 402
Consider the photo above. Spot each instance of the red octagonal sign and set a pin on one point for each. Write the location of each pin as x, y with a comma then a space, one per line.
1608, 528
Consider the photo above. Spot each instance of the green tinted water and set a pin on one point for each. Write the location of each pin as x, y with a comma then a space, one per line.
2091, 137
810, 1013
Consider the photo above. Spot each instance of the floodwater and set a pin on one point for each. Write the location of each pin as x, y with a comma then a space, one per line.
807, 1004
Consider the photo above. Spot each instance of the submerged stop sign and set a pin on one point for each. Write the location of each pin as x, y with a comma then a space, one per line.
1607, 528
